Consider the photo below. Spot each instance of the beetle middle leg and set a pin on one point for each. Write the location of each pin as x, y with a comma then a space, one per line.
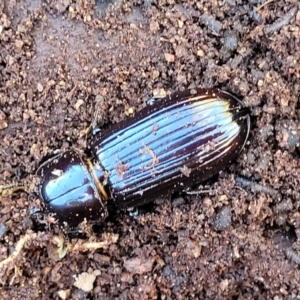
133, 212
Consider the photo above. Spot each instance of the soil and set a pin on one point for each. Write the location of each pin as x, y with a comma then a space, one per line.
61, 59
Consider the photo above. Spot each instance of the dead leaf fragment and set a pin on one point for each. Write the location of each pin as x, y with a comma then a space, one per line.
82, 246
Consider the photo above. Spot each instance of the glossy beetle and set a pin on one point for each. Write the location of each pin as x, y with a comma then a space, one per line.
180, 140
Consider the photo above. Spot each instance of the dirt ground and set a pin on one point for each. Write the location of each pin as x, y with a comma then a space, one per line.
60, 59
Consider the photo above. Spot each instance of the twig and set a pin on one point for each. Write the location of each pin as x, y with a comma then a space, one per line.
20, 245
285, 20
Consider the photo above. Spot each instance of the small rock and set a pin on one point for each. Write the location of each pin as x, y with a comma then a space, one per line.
55, 275
193, 249
281, 219
61, 6
167, 271
211, 23
139, 265
169, 57
230, 40
222, 219
287, 134
19, 44
154, 26
224, 284
40, 87
200, 53
178, 201
3, 230
85, 281
265, 132
147, 289
3, 125
63, 294
78, 104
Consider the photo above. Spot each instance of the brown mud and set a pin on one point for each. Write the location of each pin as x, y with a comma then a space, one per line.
60, 59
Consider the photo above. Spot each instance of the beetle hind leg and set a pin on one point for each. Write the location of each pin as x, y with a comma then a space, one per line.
153, 99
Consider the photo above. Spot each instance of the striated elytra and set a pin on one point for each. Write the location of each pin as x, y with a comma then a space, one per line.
177, 142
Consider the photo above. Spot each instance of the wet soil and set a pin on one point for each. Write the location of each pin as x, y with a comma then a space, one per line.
60, 59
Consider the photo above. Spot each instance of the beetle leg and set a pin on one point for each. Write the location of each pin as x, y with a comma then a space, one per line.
42, 218
133, 212
257, 187
198, 192
73, 233
154, 98
55, 152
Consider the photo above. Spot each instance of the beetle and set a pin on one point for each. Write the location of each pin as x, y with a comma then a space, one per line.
174, 143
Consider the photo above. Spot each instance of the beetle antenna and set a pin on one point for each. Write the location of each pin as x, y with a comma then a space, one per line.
99, 103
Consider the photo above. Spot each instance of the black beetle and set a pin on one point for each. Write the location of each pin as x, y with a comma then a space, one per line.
176, 142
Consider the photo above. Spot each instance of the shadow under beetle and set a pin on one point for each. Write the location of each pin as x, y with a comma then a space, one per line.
177, 142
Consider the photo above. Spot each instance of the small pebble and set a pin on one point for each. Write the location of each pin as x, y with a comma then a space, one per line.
40, 88
63, 294
3, 230
211, 23
222, 219
287, 134
169, 57
230, 40
85, 281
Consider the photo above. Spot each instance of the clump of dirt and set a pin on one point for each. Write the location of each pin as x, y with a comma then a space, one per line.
60, 58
